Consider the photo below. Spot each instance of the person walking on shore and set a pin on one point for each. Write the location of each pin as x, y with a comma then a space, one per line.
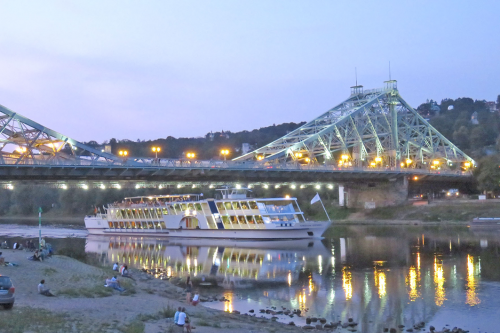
189, 287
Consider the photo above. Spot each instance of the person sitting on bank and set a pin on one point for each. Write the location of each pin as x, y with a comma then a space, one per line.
114, 283
126, 273
36, 256
183, 320
2, 259
42, 290
196, 298
115, 266
176, 316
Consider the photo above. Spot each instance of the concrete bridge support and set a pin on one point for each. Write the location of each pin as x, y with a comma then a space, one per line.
369, 195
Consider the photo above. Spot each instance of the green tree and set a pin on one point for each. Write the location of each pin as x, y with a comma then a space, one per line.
488, 173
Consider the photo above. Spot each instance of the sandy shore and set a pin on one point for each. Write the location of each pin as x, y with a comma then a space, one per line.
83, 304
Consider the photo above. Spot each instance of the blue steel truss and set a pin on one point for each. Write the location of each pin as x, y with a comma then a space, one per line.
372, 129
23, 141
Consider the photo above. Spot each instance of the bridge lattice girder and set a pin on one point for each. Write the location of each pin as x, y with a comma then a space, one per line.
23, 141
361, 128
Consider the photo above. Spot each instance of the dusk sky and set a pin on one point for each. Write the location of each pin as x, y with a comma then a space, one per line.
151, 69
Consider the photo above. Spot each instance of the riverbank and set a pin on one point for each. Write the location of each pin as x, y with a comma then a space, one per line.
83, 304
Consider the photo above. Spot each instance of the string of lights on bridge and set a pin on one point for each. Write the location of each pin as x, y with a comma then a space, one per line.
175, 185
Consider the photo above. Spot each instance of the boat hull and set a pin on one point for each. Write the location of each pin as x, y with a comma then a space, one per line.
310, 230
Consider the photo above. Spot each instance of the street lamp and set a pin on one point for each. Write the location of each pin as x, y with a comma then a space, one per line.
190, 155
156, 150
224, 152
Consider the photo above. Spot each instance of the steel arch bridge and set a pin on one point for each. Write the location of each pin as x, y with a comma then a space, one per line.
373, 134
372, 129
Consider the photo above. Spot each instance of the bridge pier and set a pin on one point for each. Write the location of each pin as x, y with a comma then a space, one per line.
369, 195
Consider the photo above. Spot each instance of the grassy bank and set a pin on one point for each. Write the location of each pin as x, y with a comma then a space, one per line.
444, 210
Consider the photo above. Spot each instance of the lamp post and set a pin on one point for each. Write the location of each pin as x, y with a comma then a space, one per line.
123, 153
156, 150
39, 228
190, 155
224, 152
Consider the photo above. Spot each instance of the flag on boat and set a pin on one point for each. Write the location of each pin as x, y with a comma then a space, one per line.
315, 199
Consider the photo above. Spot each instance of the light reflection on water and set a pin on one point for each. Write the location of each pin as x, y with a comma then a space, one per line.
380, 276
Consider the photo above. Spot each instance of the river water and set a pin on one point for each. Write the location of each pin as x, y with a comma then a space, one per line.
381, 276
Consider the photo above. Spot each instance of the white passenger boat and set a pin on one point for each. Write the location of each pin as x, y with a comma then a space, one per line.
189, 215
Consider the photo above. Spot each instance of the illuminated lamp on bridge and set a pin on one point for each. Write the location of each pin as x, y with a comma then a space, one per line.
435, 164
21, 150
123, 153
224, 152
344, 160
190, 155
156, 150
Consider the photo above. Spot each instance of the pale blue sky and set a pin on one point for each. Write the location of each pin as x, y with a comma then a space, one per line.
150, 69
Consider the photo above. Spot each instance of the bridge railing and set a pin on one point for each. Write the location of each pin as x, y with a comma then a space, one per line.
230, 165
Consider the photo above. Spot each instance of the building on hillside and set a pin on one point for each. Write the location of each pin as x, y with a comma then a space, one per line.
492, 106
435, 107
245, 148
473, 119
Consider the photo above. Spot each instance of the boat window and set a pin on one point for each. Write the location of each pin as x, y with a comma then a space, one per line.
157, 225
158, 211
228, 206
250, 219
211, 222
253, 205
190, 206
198, 207
110, 224
116, 225
133, 225
162, 225
259, 219
279, 207
236, 205
183, 206
233, 219
244, 204
165, 211
150, 225
225, 219
242, 220
220, 206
